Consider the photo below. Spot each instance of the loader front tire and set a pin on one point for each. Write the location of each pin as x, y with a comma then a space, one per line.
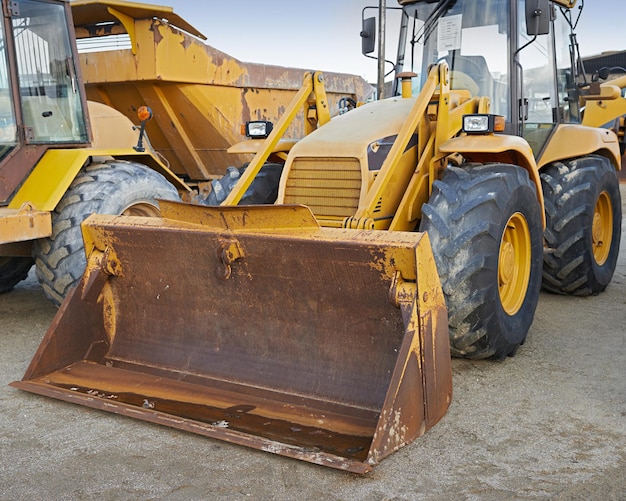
583, 225
115, 187
263, 190
12, 271
485, 227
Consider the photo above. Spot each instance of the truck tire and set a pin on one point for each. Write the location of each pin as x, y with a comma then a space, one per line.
485, 227
12, 271
115, 187
263, 190
584, 220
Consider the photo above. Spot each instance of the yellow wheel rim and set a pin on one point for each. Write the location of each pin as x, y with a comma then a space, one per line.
514, 263
142, 210
602, 230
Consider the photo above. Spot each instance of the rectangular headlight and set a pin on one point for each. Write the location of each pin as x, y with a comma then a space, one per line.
483, 124
258, 128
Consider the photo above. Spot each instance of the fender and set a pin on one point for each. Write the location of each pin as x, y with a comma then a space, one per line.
53, 174
497, 148
573, 141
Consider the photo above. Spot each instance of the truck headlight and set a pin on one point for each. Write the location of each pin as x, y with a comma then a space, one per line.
258, 129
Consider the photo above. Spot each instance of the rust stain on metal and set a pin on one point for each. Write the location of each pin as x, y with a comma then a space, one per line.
173, 71
245, 108
298, 353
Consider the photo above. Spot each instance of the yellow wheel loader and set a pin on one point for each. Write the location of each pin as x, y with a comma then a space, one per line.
316, 327
559, 136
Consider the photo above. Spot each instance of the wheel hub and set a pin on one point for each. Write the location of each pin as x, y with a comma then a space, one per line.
597, 230
602, 228
507, 263
514, 263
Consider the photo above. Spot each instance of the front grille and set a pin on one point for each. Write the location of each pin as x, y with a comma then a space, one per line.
328, 186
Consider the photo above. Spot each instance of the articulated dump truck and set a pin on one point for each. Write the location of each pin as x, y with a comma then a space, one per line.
199, 95
320, 326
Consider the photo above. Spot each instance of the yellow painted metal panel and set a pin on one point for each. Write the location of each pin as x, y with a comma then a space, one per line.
602, 113
494, 146
93, 12
251, 146
21, 225
111, 129
572, 141
54, 173
50, 179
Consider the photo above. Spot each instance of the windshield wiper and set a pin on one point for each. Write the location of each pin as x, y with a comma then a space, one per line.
441, 7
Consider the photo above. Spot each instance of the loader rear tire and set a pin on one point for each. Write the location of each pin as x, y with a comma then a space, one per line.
115, 187
12, 271
485, 227
584, 219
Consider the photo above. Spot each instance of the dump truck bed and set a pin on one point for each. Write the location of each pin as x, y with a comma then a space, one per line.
200, 95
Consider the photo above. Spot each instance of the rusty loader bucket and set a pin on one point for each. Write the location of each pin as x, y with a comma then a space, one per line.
255, 326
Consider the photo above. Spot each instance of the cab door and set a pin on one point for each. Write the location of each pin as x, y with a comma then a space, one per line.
41, 97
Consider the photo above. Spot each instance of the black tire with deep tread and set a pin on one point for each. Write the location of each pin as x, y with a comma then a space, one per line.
570, 192
12, 271
465, 219
263, 190
102, 188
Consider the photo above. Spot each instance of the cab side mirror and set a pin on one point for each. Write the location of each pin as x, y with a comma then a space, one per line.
368, 35
537, 17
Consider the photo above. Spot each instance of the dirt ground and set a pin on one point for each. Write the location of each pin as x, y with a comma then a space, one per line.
547, 424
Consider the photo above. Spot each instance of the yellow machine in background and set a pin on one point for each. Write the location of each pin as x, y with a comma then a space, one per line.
605, 106
316, 327
56, 165
199, 95
63, 157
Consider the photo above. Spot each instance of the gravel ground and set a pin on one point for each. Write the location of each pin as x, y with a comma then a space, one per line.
549, 423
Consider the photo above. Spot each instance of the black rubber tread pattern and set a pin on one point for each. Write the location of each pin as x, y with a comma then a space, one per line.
13, 270
263, 190
465, 219
102, 188
570, 192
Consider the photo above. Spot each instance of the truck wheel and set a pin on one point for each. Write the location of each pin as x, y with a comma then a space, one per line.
12, 271
263, 190
584, 219
115, 187
484, 224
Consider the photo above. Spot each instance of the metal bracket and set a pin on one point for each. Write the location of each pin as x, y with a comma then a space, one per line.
401, 291
228, 252
11, 8
100, 266
29, 134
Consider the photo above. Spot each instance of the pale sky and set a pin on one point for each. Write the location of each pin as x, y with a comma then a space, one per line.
324, 35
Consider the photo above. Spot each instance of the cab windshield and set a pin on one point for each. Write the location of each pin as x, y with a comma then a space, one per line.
472, 37
51, 103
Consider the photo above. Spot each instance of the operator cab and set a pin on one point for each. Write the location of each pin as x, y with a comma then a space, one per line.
516, 52
40, 97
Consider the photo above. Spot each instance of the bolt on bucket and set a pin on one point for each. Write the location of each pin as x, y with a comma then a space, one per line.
255, 326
